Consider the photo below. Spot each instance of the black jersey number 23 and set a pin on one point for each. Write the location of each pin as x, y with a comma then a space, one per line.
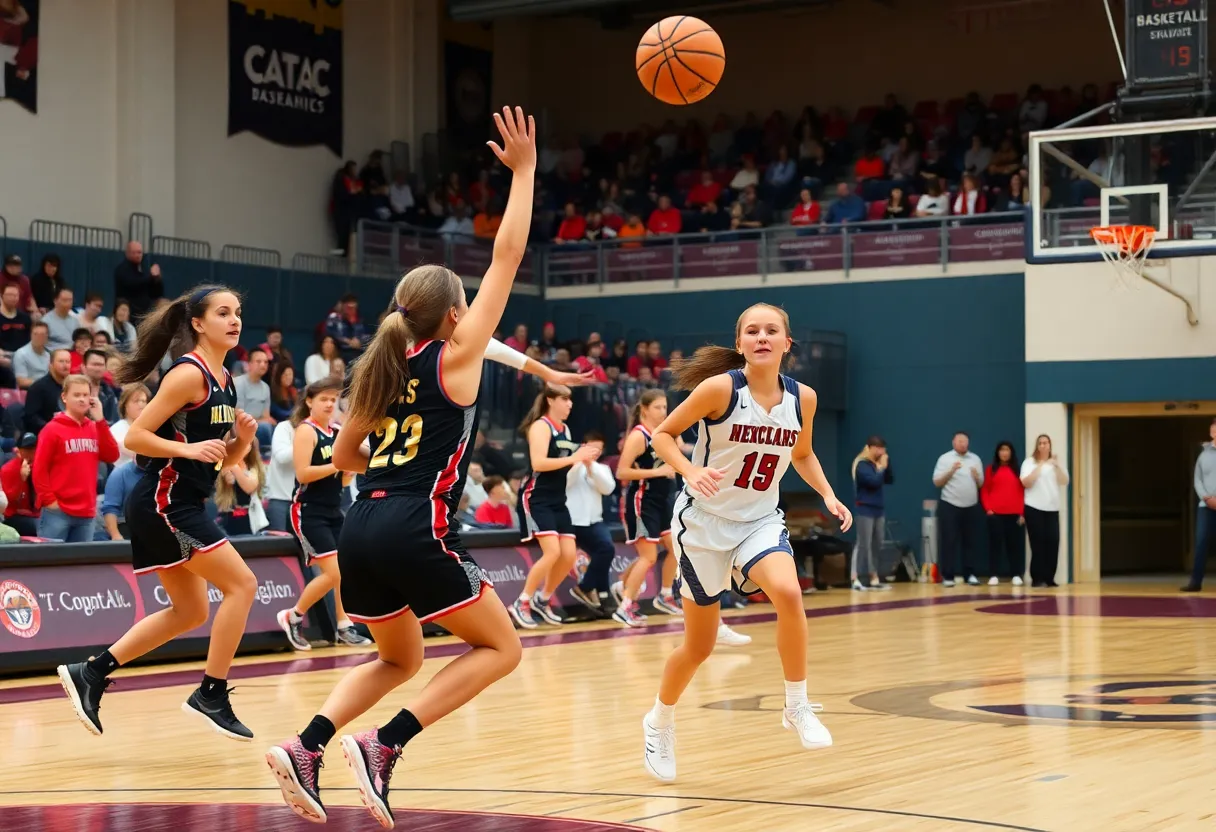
410, 430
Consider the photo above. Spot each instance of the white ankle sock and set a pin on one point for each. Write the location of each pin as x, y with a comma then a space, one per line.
345, 623
795, 694
662, 716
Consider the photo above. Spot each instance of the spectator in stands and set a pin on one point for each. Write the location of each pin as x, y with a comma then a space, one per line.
573, 228
811, 155
756, 213
1016, 197
720, 139
590, 363
82, 342
401, 198
632, 229
457, 224
548, 341
596, 230
89, 316
70, 448
61, 323
897, 207
970, 199
664, 220
706, 191
586, 487
273, 347
347, 329
318, 365
959, 473
346, 204
131, 403
131, 282
14, 332
118, 326
972, 118
119, 486
280, 477
94, 371
253, 394
869, 165
487, 219
847, 207
236, 489
932, 203
44, 397
13, 275
22, 510
936, 165
654, 357
32, 361
473, 485
746, 175
494, 461
780, 179
905, 163
46, 283
518, 340
283, 392
1032, 114
375, 185
1005, 162
889, 121
712, 219
639, 359
806, 212
978, 156
494, 511
101, 340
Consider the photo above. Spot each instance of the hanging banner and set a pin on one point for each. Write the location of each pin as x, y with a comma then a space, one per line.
285, 71
19, 52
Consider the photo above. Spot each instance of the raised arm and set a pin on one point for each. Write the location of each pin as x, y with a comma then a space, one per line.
806, 463
500, 353
465, 350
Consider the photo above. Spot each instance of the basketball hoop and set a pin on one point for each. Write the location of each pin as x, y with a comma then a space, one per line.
1125, 247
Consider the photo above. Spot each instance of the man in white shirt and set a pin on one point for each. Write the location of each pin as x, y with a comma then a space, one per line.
400, 196
959, 474
458, 224
32, 361
473, 486
586, 487
253, 394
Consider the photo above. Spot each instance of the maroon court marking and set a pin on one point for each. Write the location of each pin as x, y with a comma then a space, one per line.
1109, 606
208, 817
173, 678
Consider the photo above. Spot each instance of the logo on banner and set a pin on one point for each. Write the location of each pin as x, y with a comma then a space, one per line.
22, 617
285, 71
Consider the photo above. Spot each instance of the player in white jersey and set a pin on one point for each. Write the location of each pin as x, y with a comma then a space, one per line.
754, 423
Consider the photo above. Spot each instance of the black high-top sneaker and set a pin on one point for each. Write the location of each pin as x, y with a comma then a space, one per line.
84, 688
218, 712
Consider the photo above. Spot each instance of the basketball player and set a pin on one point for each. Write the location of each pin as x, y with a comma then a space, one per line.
189, 430
316, 509
755, 422
543, 514
646, 507
413, 398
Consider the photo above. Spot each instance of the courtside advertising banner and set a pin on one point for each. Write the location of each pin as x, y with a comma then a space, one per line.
285, 71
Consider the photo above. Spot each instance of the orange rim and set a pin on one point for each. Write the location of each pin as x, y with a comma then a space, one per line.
1128, 240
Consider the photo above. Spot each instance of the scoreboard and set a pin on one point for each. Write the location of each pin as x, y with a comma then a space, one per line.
1167, 41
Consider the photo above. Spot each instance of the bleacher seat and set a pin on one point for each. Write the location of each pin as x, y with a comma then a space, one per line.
1004, 102
876, 209
11, 397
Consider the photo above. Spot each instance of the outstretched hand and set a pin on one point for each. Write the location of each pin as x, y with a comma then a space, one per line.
518, 150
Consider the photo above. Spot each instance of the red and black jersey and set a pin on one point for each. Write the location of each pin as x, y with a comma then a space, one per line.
328, 490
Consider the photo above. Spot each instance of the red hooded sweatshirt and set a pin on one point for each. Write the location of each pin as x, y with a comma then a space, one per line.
66, 460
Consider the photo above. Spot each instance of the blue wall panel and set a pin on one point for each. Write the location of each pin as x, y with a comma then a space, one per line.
1143, 380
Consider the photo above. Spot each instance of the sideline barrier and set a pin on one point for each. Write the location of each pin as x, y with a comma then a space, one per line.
60, 602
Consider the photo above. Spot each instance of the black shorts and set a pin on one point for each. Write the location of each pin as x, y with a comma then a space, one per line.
544, 520
166, 534
646, 518
396, 557
317, 528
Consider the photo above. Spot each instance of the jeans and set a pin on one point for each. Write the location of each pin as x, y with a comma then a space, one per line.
278, 512
55, 525
597, 543
1205, 531
264, 434
1005, 534
955, 528
1043, 528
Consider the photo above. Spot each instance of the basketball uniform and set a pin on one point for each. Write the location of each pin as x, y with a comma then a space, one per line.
400, 550
164, 510
236, 521
316, 507
647, 508
542, 508
719, 539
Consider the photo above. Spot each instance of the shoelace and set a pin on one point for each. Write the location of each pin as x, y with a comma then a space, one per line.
667, 742
100, 688
225, 703
808, 709
315, 759
394, 754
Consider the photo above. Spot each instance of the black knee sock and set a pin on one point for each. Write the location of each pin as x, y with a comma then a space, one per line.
103, 665
212, 687
400, 729
318, 733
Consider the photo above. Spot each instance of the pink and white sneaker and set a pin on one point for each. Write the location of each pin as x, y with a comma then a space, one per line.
298, 771
372, 764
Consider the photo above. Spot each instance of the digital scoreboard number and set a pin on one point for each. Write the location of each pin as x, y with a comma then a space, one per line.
1167, 41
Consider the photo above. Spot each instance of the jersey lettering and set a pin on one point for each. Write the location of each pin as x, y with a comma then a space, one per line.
764, 435
223, 414
327, 452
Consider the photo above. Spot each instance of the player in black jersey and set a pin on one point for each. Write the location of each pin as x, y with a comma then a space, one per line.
190, 430
543, 515
316, 508
413, 398
646, 509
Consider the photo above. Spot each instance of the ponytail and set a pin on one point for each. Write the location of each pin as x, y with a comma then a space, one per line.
303, 409
167, 329
380, 374
540, 406
857, 459
706, 362
647, 398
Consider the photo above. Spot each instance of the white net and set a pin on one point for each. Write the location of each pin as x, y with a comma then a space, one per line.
1126, 248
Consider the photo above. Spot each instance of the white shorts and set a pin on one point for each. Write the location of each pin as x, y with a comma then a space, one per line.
713, 551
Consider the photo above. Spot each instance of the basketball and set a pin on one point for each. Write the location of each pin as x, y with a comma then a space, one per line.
680, 60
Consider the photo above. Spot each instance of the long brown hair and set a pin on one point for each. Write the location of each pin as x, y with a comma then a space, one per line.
711, 360
420, 302
129, 392
225, 492
647, 398
541, 406
303, 409
167, 329
1051, 447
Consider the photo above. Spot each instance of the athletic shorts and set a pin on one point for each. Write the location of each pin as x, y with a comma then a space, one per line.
164, 534
317, 528
714, 552
645, 518
542, 520
397, 557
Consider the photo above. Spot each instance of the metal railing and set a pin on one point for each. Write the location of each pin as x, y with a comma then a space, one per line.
139, 228
320, 263
70, 234
249, 256
181, 247
390, 248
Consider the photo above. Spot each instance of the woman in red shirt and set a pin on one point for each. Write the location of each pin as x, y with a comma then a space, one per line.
1001, 496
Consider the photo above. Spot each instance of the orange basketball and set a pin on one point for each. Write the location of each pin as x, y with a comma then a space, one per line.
680, 60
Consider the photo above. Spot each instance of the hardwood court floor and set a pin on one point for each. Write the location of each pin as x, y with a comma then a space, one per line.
974, 708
